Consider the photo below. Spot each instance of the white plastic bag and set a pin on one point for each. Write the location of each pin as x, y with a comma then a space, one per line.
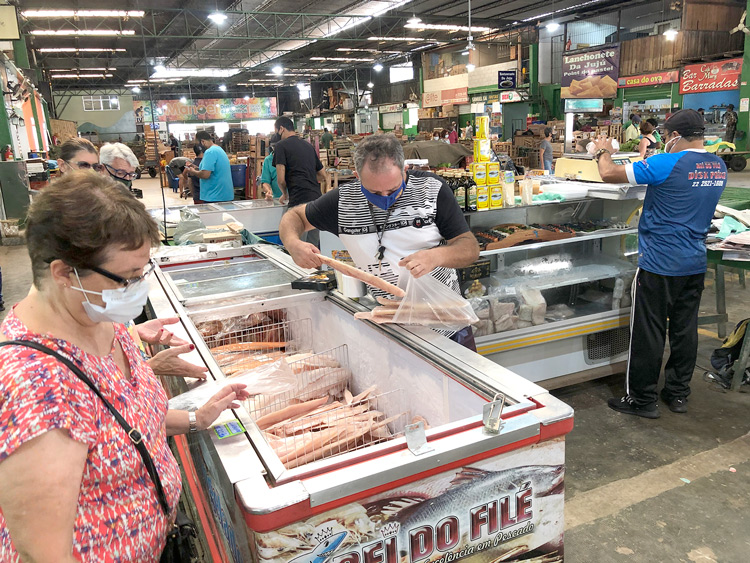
431, 303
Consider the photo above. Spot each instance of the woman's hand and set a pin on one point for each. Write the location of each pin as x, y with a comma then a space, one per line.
227, 398
153, 332
168, 362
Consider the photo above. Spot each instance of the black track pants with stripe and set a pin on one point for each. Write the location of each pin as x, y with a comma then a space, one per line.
657, 298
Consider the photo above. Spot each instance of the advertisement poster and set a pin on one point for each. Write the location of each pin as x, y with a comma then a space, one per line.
591, 74
507, 508
205, 109
711, 77
649, 79
506, 79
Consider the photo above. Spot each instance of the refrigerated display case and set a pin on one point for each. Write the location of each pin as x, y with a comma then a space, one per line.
557, 311
423, 450
259, 216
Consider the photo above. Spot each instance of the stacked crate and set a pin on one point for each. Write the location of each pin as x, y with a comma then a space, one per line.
241, 141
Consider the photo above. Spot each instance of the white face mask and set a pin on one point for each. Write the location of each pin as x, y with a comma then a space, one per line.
668, 147
121, 305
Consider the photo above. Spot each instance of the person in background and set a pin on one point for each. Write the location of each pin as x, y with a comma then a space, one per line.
730, 119
648, 144
193, 183
174, 144
299, 171
391, 221
214, 171
632, 131
78, 154
120, 163
326, 139
702, 112
469, 132
452, 134
684, 186
73, 486
545, 151
581, 145
268, 178
657, 135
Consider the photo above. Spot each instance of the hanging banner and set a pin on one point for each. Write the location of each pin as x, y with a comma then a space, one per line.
391, 108
649, 79
205, 110
711, 77
455, 96
591, 74
507, 97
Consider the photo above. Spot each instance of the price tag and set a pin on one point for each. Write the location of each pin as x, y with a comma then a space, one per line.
229, 429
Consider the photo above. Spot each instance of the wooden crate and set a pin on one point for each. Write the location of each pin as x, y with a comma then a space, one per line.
63, 129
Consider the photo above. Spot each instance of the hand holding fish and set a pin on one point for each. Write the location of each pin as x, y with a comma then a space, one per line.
304, 254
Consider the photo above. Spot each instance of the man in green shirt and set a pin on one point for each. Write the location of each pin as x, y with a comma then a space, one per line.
326, 139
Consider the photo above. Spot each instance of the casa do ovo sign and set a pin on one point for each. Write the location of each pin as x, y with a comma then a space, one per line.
711, 77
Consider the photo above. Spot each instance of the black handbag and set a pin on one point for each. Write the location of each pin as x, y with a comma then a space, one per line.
179, 547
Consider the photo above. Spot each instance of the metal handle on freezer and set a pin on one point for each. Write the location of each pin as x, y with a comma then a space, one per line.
491, 413
416, 440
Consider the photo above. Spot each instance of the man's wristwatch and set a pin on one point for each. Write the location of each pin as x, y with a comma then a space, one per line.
600, 152
193, 419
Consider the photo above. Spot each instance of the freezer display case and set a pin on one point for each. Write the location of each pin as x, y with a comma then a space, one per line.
360, 443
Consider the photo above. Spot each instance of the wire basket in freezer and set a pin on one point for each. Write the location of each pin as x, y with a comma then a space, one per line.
321, 417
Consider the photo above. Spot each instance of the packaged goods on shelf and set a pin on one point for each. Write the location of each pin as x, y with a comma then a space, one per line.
479, 171
482, 150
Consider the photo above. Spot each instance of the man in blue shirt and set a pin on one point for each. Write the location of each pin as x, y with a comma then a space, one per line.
684, 186
214, 172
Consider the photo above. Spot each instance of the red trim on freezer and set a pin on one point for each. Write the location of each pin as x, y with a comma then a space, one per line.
165, 266
287, 515
205, 517
554, 430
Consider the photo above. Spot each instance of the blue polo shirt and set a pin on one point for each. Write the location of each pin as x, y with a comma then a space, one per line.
683, 191
218, 186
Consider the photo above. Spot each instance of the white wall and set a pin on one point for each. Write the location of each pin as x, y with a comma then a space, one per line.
109, 123
482, 76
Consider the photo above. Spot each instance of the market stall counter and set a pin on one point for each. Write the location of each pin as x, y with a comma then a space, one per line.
361, 442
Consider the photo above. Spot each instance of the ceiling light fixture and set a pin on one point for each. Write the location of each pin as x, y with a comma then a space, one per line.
246, 98
374, 38
135, 89
83, 32
161, 72
413, 20
80, 69
160, 68
448, 27
370, 85
377, 67
552, 27
218, 18
83, 13
81, 76
351, 50
342, 59
183, 100
670, 34
277, 70
79, 50
223, 87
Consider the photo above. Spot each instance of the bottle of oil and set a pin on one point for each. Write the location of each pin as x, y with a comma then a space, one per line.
459, 190
471, 192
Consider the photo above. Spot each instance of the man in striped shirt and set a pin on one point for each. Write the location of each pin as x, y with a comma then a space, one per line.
391, 222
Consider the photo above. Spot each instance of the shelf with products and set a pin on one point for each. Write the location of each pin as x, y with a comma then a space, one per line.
542, 301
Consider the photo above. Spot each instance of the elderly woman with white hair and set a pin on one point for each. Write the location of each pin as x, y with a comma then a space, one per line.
120, 162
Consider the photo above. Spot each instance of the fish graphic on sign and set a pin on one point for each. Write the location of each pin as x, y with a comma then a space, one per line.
328, 544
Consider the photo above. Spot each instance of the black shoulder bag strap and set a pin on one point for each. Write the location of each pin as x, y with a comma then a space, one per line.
132, 433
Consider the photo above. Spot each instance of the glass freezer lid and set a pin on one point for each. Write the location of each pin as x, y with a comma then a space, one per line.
255, 203
215, 279
228, 206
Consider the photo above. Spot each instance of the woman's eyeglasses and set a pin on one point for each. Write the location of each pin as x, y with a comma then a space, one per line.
120, 173
126, 282
87, 166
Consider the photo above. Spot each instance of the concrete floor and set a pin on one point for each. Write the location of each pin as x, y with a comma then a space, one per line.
627, 499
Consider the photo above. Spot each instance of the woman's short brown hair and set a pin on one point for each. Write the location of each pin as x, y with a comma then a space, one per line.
73, 146
79, 218
646, 128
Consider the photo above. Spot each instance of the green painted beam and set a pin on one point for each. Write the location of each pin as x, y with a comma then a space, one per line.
37, 122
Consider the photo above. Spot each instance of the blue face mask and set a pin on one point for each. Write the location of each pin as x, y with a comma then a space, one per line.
384, 202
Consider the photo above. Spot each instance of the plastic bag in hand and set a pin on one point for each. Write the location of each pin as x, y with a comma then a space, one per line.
431, 303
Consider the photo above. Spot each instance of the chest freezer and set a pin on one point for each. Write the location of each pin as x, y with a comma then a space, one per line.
365, 443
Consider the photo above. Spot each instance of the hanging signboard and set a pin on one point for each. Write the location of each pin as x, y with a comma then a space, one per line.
591, 74
506, 79
391, 108
508, 97
649, 79
584, 106
206, 109
485, 98
431, 100
711, 77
